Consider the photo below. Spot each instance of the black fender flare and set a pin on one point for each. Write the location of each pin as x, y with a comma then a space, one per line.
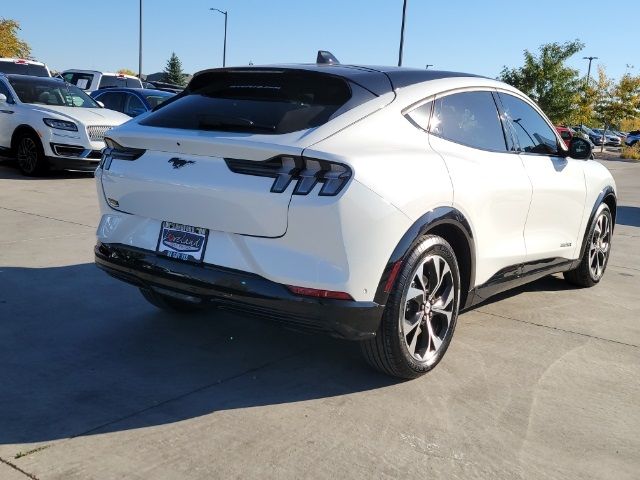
606, 193
427, 223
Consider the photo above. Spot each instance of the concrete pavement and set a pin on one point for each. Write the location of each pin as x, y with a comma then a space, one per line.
542, 382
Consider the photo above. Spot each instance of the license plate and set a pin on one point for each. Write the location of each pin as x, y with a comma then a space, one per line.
183, 242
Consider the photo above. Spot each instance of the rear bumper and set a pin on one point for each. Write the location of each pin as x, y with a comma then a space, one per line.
240, 291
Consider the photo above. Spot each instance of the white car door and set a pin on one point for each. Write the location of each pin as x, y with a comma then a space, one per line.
491, 187
559, 190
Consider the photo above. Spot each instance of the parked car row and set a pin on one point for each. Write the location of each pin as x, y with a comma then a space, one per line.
61, 122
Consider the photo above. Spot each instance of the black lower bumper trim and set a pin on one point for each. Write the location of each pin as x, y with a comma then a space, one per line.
81, 164
240, 291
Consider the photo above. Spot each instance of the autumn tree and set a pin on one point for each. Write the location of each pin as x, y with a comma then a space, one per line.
10, 44
126, 71
547, 80
617, 101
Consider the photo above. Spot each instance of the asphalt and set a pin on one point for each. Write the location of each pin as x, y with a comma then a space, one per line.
541, 383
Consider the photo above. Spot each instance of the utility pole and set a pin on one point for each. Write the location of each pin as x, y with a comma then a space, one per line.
404, 14
591, 59
428, 65
140, 46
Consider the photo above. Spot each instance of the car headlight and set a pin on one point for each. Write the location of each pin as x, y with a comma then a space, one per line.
60, 124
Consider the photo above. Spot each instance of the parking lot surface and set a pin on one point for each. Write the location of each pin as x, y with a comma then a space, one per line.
542, 382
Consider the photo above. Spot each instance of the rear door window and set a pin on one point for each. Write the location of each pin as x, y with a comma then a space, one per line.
469, 118
257, 101
112, 100
80, 80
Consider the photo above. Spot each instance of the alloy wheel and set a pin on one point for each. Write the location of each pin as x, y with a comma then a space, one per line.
27, 155
428, 309
600, 246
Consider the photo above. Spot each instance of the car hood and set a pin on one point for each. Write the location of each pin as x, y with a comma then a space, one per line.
86, 116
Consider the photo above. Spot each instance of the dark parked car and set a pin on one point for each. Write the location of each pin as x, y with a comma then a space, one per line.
131, 101
595, 138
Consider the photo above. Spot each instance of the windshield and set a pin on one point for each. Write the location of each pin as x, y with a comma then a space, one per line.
156, 98
50, 92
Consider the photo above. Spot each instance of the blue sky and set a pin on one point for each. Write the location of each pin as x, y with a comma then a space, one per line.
472, 36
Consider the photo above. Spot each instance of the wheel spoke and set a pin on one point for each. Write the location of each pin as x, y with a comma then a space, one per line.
416, 295
409, 324
414, 340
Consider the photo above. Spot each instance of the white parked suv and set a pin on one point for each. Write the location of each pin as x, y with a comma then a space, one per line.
372, 203
91, 80
47, 123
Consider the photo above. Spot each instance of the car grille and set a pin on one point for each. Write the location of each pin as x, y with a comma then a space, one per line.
96, 132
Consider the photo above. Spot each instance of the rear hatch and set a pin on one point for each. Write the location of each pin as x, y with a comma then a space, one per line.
182, 173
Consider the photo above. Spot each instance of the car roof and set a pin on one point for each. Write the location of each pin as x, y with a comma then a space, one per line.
19, 76
377, 79
129, 89
76, 70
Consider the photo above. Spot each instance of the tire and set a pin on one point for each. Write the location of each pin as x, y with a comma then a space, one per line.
419, 320
167, 303
596, 255
30, 155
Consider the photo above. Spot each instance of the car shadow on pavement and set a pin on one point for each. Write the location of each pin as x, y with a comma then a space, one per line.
628, 216
82, 353
550, 283
9, 171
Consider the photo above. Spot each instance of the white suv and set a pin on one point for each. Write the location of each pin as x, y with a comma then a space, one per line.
91, 80
23, 67
47, 123
370, 203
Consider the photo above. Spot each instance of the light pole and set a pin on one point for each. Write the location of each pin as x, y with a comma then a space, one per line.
428, 65
224, 50
404, 14
591, 59
140, 46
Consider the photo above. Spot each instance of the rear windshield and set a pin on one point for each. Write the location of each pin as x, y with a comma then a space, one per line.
258, 101
24, 69
114, 81
80, 80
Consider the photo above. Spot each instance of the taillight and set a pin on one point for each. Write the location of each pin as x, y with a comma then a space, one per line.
115, 151
316, 293
307, 172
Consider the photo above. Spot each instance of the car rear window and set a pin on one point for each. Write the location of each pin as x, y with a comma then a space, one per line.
114, 81
24, 69
256, 101
80, 80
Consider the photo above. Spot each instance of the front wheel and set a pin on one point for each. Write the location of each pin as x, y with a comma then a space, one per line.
596, 254
30, 155
421, 313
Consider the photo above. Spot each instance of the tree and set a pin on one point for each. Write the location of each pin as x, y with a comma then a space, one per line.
547, 80
173, 72
126, 71
10, 44
617, 101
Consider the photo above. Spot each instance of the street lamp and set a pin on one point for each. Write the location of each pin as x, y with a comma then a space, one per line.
428, 65
224, 51
591, 59
404, 14
140, 46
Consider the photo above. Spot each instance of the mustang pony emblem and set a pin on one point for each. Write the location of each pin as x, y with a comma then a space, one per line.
179, 163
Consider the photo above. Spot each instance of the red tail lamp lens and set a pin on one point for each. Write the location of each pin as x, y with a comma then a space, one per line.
313, 292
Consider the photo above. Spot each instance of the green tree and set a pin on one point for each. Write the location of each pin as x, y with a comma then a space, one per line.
10, 44
173, 72
547, 80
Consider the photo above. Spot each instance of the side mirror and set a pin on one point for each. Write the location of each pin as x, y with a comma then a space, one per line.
580, 148
100, 103
3, 98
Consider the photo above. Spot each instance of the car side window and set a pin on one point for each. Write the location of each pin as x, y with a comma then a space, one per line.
134, 106
529, 128
469, 118
112, 101
420, 116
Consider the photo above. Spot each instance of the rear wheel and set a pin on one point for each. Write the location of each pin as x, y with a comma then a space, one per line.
30, 155
167, 303
596, 254
421, 314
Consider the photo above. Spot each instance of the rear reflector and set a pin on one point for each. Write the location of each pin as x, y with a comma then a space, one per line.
312, 292
395, 269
